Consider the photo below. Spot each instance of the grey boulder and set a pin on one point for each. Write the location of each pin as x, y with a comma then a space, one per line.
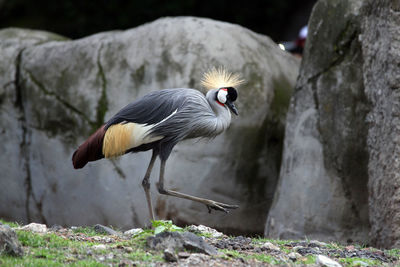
322, 192
339, 178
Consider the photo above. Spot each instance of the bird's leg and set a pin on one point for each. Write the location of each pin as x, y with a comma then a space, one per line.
211, 204
146, 184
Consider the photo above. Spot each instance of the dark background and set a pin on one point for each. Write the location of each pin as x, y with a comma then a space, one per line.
279, 19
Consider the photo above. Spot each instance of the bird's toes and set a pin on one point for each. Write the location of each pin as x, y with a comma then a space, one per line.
230, 206
216, 207
226, 206
209, 208
213, 205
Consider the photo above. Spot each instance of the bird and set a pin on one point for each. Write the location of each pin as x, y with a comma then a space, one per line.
161, 119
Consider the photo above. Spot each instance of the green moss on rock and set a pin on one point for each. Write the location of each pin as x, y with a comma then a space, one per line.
138, 75
102, 105
282, 93
25, 34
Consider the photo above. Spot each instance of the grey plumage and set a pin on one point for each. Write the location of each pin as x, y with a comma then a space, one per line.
194, 116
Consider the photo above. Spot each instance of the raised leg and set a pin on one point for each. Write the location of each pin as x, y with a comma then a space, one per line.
146, 183
211, 204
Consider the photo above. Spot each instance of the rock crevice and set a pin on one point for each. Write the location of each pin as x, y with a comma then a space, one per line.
25, 145
58, 98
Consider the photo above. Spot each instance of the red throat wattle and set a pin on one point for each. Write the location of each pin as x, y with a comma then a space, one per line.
220, 103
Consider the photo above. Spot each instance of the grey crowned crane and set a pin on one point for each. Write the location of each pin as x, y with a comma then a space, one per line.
159, 120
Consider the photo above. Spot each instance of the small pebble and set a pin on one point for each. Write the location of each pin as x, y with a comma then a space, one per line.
99, 247
170, 256
297, 248
205, 230
322, 260
270, 246
294, 256
257, 250
133, 232
128, 249
103, 239
101, 229
35, 228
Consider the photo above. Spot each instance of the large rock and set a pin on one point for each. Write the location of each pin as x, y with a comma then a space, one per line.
322, 192
67, 89
15, 181
340, 170
381, 49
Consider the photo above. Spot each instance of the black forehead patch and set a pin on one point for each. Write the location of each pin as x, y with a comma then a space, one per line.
232, 93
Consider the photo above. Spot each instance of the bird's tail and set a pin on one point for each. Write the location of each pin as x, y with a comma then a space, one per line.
90, 150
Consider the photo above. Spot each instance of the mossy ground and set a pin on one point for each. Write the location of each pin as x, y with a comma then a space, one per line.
83, 246
76, 248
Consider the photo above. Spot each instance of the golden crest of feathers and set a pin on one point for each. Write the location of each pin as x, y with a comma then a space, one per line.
219, 77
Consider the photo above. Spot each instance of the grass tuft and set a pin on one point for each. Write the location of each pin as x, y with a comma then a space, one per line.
88, 230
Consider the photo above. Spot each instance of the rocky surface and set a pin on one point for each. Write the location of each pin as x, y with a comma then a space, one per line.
174, 241
325, 161
381, 49
34, 227
101, 229
9, 244
56, 92
205, 230
339, 177
83, 245
16, 183
325, 261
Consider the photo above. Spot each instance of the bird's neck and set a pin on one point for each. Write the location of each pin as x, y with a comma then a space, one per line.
221, 112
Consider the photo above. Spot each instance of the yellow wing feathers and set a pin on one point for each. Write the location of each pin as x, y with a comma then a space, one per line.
219, 77
117, 140
121, 137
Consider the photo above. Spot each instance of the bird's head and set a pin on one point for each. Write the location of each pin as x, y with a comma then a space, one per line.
225, 81
226, 96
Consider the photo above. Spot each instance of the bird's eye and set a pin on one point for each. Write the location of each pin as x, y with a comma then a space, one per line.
221, 95
232, 94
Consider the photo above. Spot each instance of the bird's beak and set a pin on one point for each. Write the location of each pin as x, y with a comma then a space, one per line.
232, 107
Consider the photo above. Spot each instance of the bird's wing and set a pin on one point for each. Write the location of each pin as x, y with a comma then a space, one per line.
152, 108
170, 115
134, 125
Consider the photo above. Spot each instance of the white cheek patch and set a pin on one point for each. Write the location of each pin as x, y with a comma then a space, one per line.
222, 96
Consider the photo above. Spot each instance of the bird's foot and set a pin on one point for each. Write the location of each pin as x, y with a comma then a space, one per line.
213, 205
